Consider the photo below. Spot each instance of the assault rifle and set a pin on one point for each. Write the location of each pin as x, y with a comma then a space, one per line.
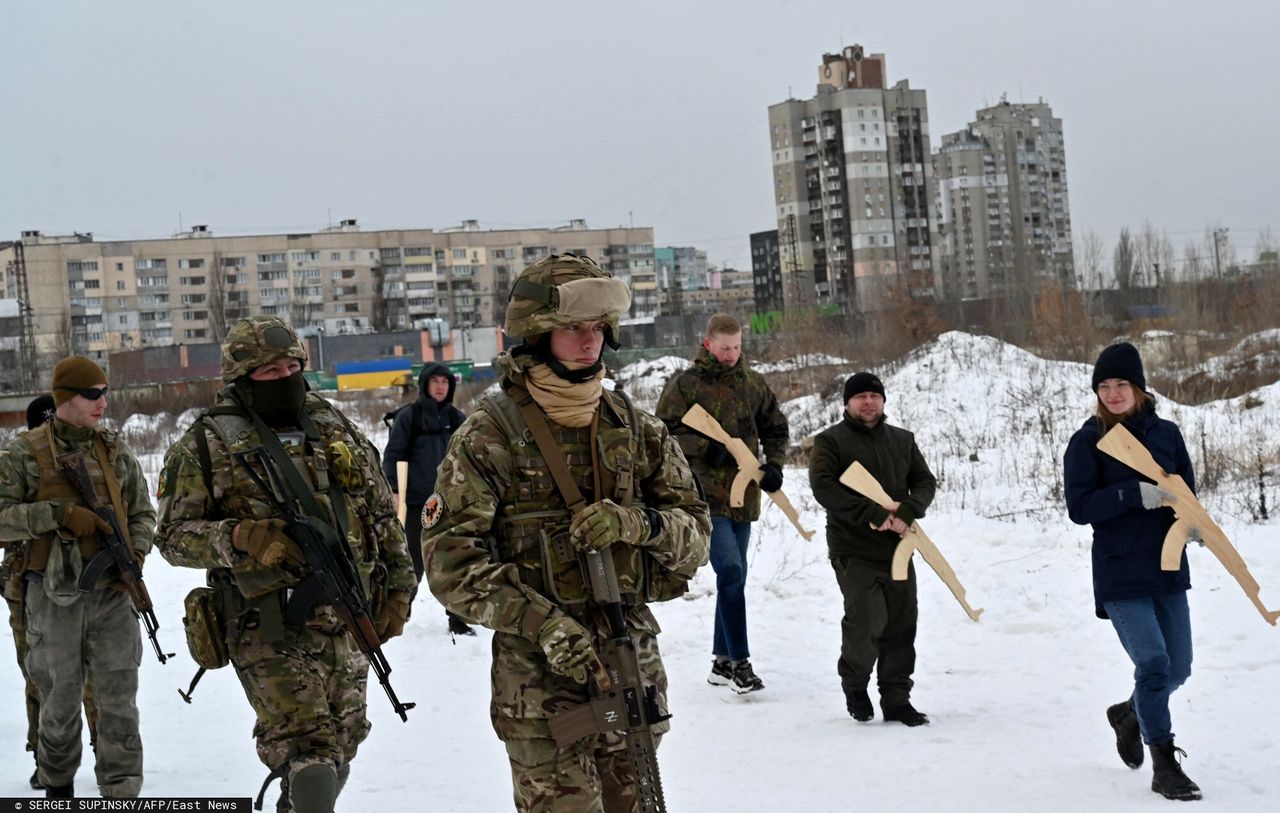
627, 705
1123, 446
332, 576
115, 552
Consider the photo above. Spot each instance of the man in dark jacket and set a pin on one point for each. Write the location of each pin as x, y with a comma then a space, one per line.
879, 625
739, 399
420, 434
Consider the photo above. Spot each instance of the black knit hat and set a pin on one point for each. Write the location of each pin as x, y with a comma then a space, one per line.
1120, 361
862, 382
40, 410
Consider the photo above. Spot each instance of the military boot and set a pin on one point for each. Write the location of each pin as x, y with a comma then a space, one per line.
1167, 778
36, 784
313, 789
59, 792
905, 714
1128, 738
858, 702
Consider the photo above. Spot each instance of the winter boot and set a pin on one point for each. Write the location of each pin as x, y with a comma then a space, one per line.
859, 704
1167, 778
721, 672
905, 714
314, 789
744, 678
1128, 738
36, 784
59, 792
457, 626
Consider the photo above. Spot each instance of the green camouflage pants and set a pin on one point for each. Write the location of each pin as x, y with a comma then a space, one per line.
19, 629
95, 639
308, 691
593, 776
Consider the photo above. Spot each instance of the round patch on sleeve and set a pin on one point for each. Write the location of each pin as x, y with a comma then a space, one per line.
432, 510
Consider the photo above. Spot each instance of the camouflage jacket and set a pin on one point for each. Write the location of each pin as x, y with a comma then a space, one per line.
497, 527
746, 408
197, 515
24, 518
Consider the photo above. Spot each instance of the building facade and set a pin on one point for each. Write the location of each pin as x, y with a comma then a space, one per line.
766, 270
1002, 219
93, 297
853, 185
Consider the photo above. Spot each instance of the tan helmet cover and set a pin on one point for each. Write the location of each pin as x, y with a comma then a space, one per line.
562, 290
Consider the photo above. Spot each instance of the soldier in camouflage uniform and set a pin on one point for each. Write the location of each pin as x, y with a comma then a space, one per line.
42, 408
740, 400
74, 636
502, 548
306, 684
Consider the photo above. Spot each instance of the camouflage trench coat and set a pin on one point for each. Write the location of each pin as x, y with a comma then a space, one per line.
496, 520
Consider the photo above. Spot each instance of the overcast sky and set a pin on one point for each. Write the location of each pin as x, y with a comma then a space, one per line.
264, 116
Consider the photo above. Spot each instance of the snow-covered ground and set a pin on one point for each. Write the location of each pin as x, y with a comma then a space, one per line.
1017, 701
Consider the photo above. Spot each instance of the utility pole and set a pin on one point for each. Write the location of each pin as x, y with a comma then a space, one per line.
1219, 237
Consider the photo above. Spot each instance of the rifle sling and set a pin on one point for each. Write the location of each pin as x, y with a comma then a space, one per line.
113, 489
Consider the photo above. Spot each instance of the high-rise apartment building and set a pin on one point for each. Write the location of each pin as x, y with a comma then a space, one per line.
853, 185
82, 295
766, 270
1002, 219
680, 270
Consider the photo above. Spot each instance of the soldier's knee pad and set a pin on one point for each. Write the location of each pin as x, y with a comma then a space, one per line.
313, 789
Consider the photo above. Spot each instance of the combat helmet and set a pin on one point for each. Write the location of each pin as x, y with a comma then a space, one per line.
257, 340
562, 290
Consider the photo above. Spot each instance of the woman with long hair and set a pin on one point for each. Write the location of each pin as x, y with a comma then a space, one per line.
1130, 516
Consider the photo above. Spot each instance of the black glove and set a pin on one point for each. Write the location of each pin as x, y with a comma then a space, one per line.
716, 454
772, 479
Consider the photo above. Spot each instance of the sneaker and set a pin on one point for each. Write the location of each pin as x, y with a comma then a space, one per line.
859, 704
458, 627
1128, 738
905, 714
721, 673
744, 678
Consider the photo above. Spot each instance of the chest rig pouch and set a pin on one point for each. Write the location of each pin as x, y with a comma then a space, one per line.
534, 528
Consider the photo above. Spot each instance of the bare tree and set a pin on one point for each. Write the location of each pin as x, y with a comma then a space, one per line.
1123, 260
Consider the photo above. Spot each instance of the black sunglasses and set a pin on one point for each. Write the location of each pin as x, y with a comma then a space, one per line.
92, 393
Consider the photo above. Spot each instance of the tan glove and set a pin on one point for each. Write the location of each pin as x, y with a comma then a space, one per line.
266, 541
567, 645
80, 521
393, 615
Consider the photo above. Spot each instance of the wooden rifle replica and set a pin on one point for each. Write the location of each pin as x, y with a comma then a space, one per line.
1191, 516
862, 481
402, 487
115, 551
749, 470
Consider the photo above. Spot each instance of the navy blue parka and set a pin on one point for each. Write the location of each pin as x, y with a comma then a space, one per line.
1103, 492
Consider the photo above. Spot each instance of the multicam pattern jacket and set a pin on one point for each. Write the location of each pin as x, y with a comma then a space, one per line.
197, 515
496, 548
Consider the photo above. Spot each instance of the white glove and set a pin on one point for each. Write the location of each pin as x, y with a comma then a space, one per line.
1154, 496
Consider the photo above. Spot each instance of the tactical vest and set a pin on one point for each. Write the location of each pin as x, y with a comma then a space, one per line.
235, 496
55, 487
532, 521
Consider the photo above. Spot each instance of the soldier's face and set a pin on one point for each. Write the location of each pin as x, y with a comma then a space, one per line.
84, 412
725, 347
867, 407
581, 342
438, 387
280, 368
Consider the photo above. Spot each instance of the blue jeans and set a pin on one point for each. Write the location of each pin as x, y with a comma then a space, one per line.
1156, 632
729, 560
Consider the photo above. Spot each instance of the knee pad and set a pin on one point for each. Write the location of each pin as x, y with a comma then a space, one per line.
313, 789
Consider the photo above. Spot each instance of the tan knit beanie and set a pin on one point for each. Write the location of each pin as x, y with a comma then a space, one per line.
78, 372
